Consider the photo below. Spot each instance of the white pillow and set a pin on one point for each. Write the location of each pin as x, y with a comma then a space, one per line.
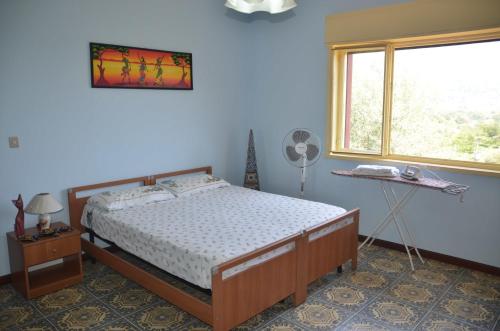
136, 196
187, 185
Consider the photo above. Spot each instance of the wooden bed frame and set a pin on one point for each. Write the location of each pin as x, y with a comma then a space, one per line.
237, 298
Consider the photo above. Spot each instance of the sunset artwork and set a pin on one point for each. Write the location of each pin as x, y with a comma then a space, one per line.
115, 66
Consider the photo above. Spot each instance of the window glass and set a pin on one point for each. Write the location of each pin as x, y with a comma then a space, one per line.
446, 102
364, 98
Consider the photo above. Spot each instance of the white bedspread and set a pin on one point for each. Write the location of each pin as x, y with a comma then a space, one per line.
188, 236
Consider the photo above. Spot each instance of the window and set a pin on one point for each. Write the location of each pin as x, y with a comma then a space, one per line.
428, 101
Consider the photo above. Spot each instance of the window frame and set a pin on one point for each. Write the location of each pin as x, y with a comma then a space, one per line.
337, 91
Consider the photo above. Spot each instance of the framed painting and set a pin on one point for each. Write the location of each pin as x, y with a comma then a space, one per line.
114, 66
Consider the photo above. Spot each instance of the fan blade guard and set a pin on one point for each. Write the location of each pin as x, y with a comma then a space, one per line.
312, 151
292, 154
300, 136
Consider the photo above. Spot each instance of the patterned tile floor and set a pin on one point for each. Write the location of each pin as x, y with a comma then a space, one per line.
383, 294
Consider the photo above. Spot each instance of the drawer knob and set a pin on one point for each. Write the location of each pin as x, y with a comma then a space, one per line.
54, 250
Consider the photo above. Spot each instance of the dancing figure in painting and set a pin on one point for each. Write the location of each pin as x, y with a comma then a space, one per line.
126, 69
142, 71
159, 71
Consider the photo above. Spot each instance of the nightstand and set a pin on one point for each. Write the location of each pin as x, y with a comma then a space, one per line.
24, 255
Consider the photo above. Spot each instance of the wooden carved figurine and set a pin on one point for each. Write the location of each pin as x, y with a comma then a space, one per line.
19, 225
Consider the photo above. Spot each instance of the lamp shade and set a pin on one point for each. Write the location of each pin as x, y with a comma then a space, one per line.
270, 6
43, 203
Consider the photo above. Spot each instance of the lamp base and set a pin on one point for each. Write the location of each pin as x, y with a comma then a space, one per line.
43, 222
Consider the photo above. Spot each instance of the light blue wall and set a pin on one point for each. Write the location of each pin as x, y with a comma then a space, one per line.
290, 91
72, 135
262, 72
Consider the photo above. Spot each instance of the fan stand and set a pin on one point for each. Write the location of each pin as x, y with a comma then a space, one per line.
303, 175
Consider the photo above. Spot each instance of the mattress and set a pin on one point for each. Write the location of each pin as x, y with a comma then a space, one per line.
189, 236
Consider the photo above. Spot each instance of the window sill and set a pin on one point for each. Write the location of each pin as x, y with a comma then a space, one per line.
414, 161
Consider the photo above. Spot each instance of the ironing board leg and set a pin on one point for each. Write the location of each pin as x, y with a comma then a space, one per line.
392, 216
403, 221
388, 218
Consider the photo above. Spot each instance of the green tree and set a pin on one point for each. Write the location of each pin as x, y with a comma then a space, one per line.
464, 142
98, 51
182, 60
481, 141
489, 134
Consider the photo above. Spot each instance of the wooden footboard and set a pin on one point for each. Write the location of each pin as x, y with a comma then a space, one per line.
333, 249
237, 298
314, 253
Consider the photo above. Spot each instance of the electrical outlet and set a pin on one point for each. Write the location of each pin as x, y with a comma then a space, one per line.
14, 142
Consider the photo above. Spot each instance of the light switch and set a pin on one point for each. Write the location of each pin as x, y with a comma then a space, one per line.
14, 142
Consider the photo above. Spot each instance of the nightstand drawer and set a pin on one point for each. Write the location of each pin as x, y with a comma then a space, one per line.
51, 250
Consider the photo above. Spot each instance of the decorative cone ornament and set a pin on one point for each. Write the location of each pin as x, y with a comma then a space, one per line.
251, 174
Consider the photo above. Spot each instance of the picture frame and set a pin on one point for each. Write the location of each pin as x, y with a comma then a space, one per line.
116, 66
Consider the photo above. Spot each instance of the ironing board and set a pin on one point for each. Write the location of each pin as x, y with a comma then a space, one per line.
396, 206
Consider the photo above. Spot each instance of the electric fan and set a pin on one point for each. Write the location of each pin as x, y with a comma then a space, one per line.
301, 148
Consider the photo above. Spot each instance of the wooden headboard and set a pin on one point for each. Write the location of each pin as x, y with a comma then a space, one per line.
154, 178
76, 204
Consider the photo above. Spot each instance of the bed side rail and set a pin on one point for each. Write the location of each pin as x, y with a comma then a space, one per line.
185, 301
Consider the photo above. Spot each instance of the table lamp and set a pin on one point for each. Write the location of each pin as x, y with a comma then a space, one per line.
43, 204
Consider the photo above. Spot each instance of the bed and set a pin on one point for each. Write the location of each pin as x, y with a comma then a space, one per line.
252, 249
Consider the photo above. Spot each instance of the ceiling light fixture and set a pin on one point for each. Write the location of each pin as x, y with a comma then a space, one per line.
270, 6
